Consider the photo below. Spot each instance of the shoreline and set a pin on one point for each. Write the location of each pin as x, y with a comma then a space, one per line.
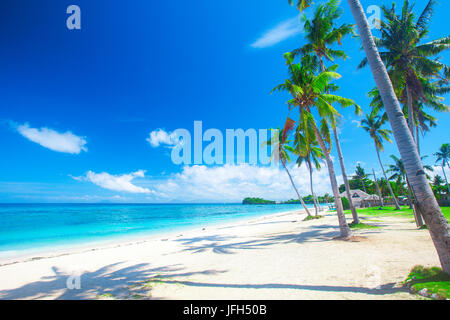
129, 240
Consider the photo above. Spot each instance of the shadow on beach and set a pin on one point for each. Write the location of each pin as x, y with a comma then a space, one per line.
106, 280
227, 245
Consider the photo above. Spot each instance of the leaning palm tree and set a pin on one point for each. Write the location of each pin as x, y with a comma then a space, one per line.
443, 156
309, 153
322, 33
437, 223
373, 125
308, 91
281, 149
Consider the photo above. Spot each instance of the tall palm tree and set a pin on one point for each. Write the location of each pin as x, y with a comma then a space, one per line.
437, 185
281, 151
436, 222
422, 119
443, 156
408, 60
308, 91
399, 173
321, 32
309, 153
378, 188
361, 175
373, 125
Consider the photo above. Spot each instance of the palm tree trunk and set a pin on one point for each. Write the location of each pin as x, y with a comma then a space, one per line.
437, 223
397, 207
341, 161
417, 139
343, 226
318, 202
378, 188
445, 176
409, 192
410, 111
413, 205
312, 189
295, 188
344, 176
364, 185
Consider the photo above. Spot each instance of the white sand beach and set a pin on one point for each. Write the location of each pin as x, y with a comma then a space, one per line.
272, 257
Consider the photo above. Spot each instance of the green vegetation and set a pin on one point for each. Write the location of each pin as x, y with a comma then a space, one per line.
257, 201
345, 203
391, 212
434, 280
362, 226
308, 218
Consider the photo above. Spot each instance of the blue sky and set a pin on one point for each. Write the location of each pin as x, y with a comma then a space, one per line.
77, 106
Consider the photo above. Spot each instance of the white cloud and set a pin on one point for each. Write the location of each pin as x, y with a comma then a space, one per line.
61, 142
122, 183
437, 170
357, 123
280, 32
159, 137
232, 183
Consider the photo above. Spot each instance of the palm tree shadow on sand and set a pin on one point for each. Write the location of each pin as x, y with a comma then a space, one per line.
109, 280
229, 245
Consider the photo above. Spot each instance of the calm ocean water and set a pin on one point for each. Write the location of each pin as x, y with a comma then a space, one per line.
25, 227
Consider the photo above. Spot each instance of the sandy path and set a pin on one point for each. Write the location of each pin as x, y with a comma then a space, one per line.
276, 257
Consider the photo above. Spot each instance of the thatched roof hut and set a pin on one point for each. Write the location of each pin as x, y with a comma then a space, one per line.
359, 196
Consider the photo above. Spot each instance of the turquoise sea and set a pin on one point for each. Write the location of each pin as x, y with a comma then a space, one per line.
34, 227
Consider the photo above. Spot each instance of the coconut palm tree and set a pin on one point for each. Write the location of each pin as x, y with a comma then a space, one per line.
408, 60
281, 149
309, 153
443, 156
399, 171
437, 185
373, 125
436, 222
361, 175
378, 188
422, 119
322, 33
308, 91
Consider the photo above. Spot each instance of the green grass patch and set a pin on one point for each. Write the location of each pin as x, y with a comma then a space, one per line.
391, 212
433, 279
308, 218
362, 226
